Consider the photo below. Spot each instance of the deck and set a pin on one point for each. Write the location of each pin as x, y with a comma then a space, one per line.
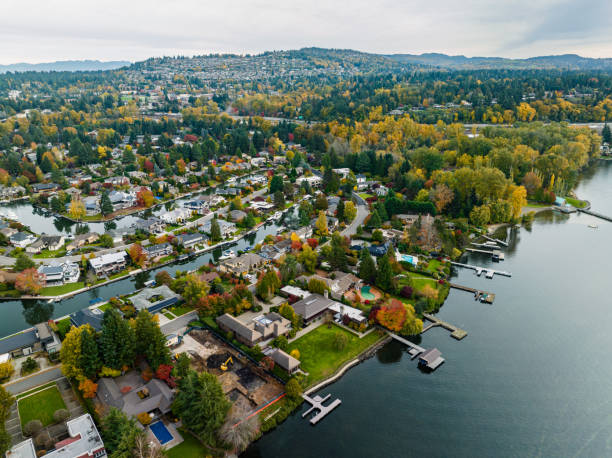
479, 270
456, 332
479, 295
317, 404
414, 351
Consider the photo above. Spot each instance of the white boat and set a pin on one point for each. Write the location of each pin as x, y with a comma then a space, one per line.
593, 226
227, 254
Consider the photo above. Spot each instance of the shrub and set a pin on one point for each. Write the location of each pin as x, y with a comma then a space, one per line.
293, 389
144, 418
108, 372
29, 365
340, 341
295, 353
6, 370
61, 415
406, 292
32, 427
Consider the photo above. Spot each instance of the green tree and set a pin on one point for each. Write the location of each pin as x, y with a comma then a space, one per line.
106, 241
276, 184
279, 199
106, 206
293, 389
194, 289
215, 231
340, 211
6, 402
89, 360
308, 258
117, 340
57, 205
367, 268
350, 211
23, 262
119, 433
289, 269
384, 276
249, 221
375, 221
606, 134
150, 341
201, 404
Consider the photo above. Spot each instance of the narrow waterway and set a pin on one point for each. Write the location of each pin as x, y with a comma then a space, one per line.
532, 378
20, 314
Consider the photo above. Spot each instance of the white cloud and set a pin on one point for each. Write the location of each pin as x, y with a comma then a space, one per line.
47, 30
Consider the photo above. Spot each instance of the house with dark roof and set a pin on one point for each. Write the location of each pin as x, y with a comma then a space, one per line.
155, 251
312, 308
190, 240
155, 299
285, 361
38, 338
149, 225
132, 395
263, 327
92, 317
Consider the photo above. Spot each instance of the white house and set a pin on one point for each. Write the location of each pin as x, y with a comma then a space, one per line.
176, 216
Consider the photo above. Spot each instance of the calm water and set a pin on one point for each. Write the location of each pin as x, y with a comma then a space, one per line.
533, 377
17, 315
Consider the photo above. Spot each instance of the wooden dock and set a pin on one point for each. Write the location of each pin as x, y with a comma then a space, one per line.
414, 351
317, 404
596, 214
479, 295
479, 270
456, 332
491, 239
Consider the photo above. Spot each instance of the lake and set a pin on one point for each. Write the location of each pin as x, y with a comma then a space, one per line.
532, 378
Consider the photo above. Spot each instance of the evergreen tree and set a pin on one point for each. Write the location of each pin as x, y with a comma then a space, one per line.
606, 134
116, 340
340, 211
375, 221
215, 231
367, 268
116, 428
201, 404
249, 221
150, 341
279, 199
90, 356
384, 276
276, 184
106, 206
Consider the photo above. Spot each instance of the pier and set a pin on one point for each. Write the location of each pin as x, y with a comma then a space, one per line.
496, 255
491, 239
414, 351
596, 214
317, 404
479, 270
456, 333
479, 295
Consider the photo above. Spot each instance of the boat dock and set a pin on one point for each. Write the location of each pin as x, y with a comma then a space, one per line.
479, 270
456, 332
414, 351
479, 295
496, 255
491, 239
596, 214
317, 404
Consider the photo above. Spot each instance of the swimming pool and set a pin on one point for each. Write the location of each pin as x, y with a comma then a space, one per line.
161, 432
366, 294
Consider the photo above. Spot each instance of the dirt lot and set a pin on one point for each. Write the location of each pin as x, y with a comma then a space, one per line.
243, 382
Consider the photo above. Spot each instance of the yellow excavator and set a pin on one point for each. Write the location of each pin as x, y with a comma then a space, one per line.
224, 365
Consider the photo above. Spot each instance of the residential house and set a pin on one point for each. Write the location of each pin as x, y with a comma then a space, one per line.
155, 299
263, 327
340, 311
10, 192
121, 200
132, 395
8, 231
361, 182
50, 242
343, 173
191, 240
381, 191
227, 228
117, 181
44, 187
285, 361
66, 272
39, 338
243, 264
83, 441
199, 206
22, 239
379, 250
314, 181
312, 308
274, 252
81, 240
157, 251
258, 161
149, 225
92, 205
92, 317
237, 215
109, 263
176, 216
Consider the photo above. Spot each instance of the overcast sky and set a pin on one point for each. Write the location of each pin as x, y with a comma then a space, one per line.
49, 30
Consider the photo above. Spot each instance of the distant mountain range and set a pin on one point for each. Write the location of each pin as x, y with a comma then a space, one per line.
563, 62
65, 66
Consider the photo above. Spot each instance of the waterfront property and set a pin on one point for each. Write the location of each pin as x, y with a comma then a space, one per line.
191, 240
108, 263
90, 316
285, 361
158, 251
261, 328
59, 274
317, 404
83, 440
24, 343
155, 299
243, 264
431, 358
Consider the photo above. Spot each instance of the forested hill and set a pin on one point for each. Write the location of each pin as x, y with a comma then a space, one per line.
65, 66
563, 62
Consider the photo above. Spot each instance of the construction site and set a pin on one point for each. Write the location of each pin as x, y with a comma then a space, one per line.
245, 383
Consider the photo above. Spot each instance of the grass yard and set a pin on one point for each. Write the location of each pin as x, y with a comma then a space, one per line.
189, 448
40, 406
180, 309
62, 289
575, 202
170, 316
105, 307
365, 195
45, 254
319, 357
38, 388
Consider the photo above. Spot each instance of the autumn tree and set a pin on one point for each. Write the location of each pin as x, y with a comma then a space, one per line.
88, 388
77, 209
308, 258
441, 196
145, 198
518, 199
392, 316
350, 211
71, 353
195, 288
137, 254
321, 224
29, 282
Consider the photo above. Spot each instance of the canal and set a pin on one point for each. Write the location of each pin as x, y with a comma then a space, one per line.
20, 314
532, 378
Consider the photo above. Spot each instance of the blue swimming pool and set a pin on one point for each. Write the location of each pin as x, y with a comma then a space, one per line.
161, 432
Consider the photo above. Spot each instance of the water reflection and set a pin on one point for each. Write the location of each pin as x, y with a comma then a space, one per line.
391, 353
36, 312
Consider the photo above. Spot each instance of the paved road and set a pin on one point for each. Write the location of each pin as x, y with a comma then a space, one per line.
362, 213
34, 380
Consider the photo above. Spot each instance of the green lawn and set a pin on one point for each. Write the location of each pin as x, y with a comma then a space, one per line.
45, 254
319, 357
62, 289
105, 307
170, 316
40, 406
38, 388
180, 309
576, 202
189, 448
365, 195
